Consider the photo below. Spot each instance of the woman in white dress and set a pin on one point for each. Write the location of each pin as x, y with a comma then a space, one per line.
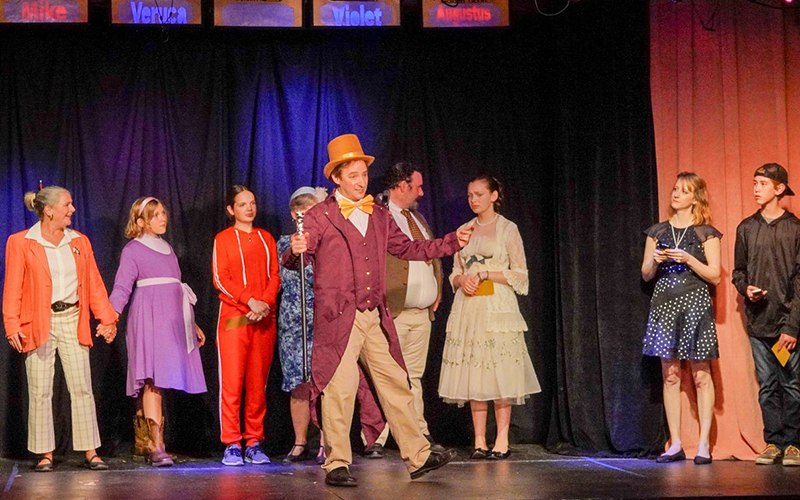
485, 357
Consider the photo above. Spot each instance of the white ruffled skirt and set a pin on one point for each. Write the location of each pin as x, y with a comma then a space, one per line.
485, 357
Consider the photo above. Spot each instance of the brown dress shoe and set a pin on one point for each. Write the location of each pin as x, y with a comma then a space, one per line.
158, 457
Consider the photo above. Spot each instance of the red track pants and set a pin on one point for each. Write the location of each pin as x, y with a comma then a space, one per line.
245, 355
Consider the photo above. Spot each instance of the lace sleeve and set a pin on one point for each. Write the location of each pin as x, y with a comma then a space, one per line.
517, 274
458, 270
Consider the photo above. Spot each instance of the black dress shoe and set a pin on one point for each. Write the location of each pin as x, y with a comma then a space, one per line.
496, 455
340, 476
479, 454
374, 451
675, 457
698, 460
303, 455
435, 447
435, 461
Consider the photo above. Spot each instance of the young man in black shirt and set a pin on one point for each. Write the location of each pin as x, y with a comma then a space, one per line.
766, 274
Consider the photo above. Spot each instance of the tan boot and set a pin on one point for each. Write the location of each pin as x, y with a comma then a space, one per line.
158, 457
141, 433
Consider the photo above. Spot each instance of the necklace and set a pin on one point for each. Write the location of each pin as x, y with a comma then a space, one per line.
678, 240
487, 223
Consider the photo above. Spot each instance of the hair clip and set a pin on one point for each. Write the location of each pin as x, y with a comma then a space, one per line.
41, 186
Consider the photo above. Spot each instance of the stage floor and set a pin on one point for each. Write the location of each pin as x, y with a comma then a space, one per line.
529, 474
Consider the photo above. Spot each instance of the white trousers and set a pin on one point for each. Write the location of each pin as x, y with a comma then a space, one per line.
40, 369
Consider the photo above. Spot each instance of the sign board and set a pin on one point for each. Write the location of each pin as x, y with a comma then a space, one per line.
261, 13
464, 13
44, 11
356, 14
156, 12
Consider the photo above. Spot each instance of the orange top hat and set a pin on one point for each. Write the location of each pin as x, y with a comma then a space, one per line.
342, 149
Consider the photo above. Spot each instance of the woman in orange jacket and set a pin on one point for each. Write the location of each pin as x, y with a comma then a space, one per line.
246, 273
51, 284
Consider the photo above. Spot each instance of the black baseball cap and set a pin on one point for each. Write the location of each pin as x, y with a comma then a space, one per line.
777, 173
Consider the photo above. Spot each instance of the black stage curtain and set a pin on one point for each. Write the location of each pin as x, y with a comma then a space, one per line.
556, 108
606, 195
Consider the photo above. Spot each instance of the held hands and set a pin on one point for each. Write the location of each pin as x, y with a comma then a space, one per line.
787, 341
15, 339
258, 310
299, 243
108, 332
464, 235
755, 297
470, 284
660, 256
677, 255
201, 337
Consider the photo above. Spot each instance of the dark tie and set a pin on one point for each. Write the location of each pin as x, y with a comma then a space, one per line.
416, 233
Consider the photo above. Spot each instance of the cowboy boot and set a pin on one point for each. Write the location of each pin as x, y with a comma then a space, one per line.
158, 457
141, 434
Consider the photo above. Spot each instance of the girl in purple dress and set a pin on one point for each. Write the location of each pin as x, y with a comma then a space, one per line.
162, 338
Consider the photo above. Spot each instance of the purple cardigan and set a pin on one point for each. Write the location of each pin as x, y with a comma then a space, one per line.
334, 289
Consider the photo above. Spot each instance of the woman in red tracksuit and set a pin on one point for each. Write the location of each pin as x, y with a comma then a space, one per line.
246, 273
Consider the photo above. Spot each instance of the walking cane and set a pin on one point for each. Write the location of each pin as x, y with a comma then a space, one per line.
303, 320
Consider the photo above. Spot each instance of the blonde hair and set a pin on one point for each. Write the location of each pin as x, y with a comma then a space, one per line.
35, 201
134, 230
701, 212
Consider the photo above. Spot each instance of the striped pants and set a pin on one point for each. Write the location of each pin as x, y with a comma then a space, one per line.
40, 369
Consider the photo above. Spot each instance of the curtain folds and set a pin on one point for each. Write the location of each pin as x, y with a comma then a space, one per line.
724, 103
557, 108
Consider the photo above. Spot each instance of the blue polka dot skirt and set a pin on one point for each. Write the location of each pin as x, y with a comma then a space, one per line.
681, 323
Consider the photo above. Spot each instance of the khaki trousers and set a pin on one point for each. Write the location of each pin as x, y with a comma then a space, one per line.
368, 343
414, 331
40, 370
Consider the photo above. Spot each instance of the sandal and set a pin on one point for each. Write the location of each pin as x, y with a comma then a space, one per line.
321, 455
43, 466
91, 464
303, 455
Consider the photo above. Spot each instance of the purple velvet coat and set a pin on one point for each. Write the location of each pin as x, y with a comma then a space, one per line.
334, 289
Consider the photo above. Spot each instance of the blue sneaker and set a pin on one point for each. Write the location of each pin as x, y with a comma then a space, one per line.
233, 455
254, 455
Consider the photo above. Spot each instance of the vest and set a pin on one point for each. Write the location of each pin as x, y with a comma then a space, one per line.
364, 250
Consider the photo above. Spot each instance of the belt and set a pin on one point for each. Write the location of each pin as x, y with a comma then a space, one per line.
61, 306
189, 299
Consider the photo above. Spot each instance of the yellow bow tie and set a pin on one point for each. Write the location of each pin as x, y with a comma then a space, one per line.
347, 206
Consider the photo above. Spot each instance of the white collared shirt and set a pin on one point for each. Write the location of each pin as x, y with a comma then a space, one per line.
155, 243
422, 290
63, 271
359, 218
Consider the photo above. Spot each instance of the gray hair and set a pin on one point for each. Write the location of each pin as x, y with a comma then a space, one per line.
45, 197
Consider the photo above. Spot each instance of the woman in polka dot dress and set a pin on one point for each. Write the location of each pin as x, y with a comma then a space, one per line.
683, 254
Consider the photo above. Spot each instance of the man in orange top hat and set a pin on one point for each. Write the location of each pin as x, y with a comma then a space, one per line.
347, 237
